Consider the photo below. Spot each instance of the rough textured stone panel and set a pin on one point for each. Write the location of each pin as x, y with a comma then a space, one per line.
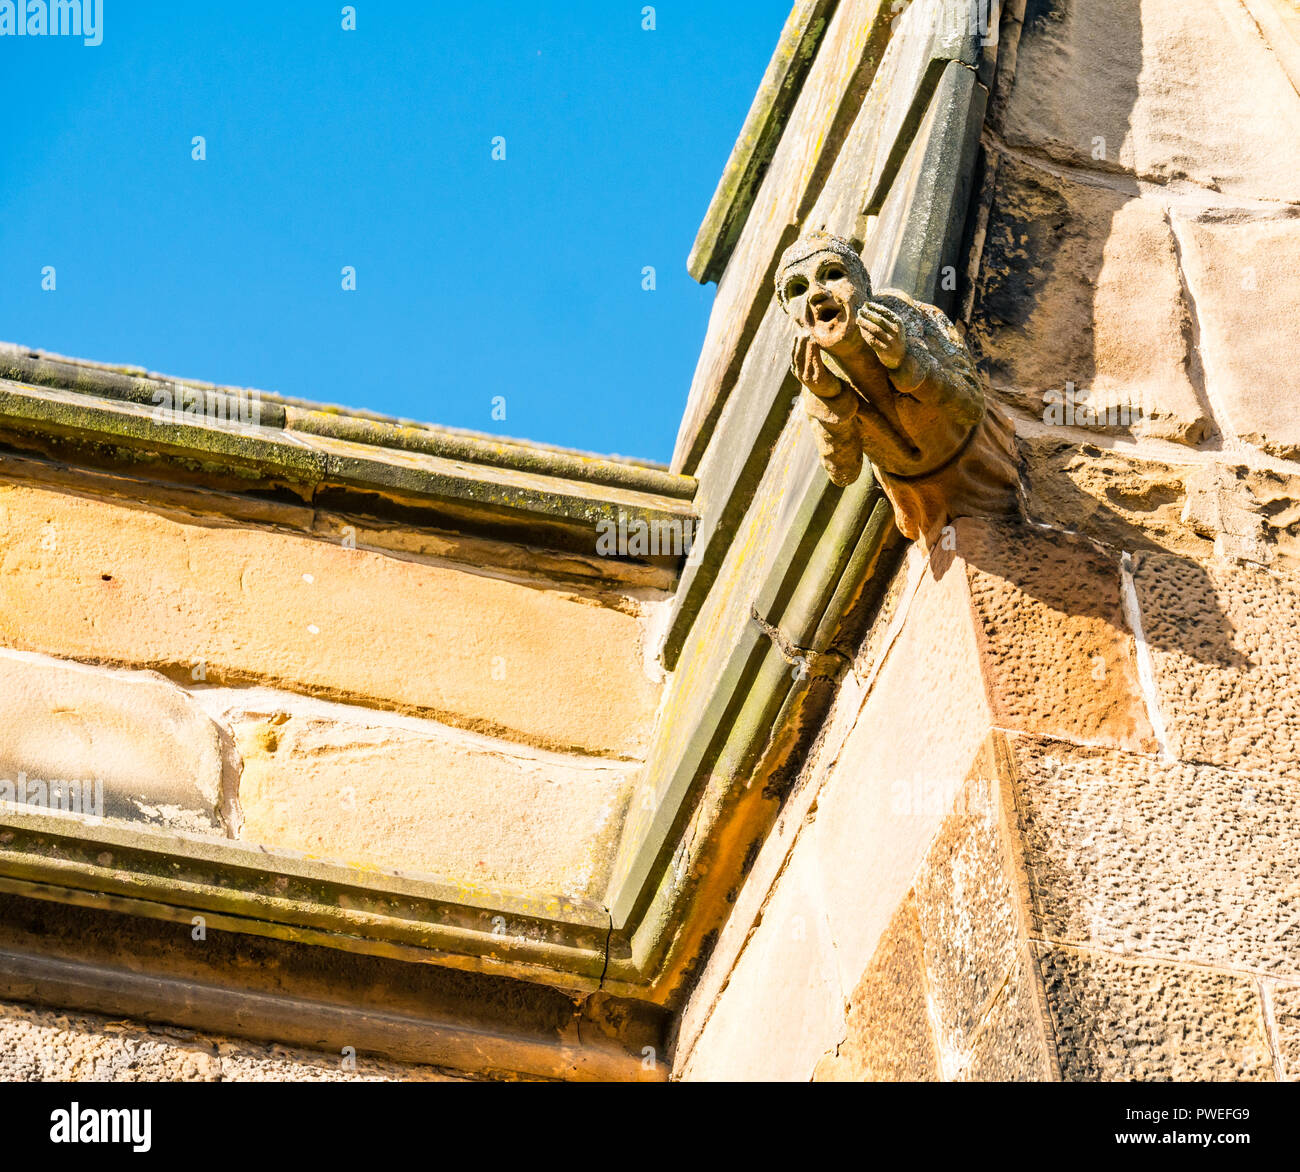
887, 1037
453, 805
1242, 272
1161, 82
1011, 1045
1116, 1020
158, 756
1226, 649
1080, 285
94, 580
970, 923
1114, 497
1057, 652
41, 1045
1137, 501
1134, 854
1286, 1015
783, 1008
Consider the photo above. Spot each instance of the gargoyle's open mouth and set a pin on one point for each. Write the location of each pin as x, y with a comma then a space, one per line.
828, 314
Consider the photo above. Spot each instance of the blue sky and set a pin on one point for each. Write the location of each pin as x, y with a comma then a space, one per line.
373, 148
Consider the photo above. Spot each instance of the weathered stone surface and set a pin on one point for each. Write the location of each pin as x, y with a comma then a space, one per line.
1155, 88
1056, 651
914, 243
732, 467
969, 918
1226, 651
1241, 270
247, 1062
926, 36
888, 378
783, 1008
1220, 507
96, 580
1116, 497
887, 795
1286, 1016
1080, 294
1137, 855
1011, 1044
1279, 25
158, 756
41, 1045
887, 1035
1138, 500
1116, 1019
444, 803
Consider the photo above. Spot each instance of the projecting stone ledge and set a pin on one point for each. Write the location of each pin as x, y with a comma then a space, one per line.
245, 441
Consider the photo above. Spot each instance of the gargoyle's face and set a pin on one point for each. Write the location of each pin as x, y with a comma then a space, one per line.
823, 297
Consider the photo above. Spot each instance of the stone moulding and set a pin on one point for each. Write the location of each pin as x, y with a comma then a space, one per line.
34, 368
802, 36
315, 458
159, 875
577, 945
924, 187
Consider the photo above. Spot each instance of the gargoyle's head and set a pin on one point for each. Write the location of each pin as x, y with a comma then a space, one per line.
822, 283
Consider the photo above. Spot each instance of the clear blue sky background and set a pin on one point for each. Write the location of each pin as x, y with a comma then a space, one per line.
372, 148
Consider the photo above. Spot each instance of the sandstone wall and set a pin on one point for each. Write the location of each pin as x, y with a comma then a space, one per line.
1045, 833
312, 683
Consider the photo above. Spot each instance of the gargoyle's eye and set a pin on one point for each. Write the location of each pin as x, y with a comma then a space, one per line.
796, 288
833, 274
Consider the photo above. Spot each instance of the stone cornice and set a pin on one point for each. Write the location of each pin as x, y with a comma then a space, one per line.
363, 465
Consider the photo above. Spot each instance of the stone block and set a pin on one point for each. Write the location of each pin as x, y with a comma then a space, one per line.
970, 921
1011, 1044
1057, 652
887, 1036
1226, 651
1241, 270
1143, 500
109, 582
1154, 88
41, 1045
1123, 1020
1124, 500
442, 803
1286, 1016
885, 798
1137, 855
132, 741
1079, 313
783, 1008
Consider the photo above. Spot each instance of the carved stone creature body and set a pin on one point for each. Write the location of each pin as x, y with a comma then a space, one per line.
890, 378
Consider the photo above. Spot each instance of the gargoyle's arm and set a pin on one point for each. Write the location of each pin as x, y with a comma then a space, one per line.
937, 370
833, 409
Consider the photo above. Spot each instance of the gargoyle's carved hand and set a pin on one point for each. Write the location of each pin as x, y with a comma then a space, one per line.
884, 332
808, 367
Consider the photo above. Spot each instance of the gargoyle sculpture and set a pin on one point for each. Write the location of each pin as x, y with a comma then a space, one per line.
890, 378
